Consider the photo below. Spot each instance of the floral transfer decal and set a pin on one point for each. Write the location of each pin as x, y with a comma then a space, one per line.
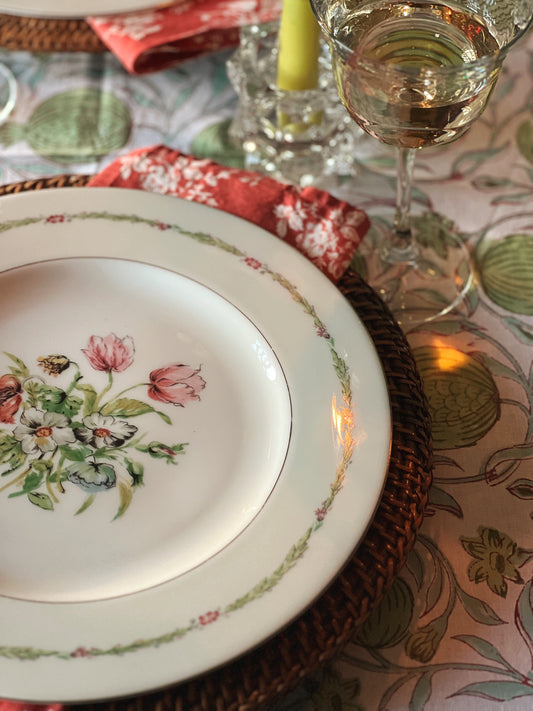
55, 437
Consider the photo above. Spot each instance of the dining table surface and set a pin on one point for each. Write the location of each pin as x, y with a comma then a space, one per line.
455, 629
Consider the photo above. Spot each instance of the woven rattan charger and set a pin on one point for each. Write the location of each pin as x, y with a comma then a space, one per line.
47, 35
275, 667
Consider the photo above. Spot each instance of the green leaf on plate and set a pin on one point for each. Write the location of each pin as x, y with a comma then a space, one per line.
43, 501
88, 501
75, 454
126, 496
19, 370
90, 397
135, 470
126, 407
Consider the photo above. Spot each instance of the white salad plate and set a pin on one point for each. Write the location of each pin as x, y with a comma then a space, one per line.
194, 437
76, 9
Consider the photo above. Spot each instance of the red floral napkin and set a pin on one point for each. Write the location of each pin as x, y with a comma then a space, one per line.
325, 229
156, 39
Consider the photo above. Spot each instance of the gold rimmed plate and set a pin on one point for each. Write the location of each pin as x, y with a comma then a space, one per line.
194, 437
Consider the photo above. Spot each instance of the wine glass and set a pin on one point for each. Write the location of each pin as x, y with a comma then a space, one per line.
416, 73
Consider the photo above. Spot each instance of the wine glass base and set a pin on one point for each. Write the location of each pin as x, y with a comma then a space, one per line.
417, 289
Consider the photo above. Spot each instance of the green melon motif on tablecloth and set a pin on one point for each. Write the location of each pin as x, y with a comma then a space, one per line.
463, 398
389, 622
214, 142
506, 272
74, 126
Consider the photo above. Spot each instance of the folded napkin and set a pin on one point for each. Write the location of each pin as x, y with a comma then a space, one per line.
325, 229
155, 39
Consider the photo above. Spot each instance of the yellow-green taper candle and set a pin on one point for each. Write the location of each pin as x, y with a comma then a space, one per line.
299, 37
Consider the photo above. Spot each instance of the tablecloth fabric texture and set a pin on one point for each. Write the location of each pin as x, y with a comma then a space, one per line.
455, 631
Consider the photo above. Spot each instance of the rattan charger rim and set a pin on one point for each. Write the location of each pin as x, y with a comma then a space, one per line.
36, 34
261, 676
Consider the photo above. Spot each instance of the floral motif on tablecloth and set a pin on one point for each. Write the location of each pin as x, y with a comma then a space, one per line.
497, 559
73, 434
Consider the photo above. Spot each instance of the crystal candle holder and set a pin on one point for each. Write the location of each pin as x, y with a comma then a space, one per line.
295, 136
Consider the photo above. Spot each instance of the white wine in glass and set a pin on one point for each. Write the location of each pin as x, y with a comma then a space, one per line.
415, 74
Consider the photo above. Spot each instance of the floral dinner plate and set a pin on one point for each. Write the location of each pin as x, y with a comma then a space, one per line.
194, 436
76, 8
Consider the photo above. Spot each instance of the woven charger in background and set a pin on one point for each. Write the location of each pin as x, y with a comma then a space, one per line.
33, 34
277, 666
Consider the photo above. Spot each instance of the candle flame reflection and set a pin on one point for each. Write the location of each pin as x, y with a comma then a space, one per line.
449, 359
342, 422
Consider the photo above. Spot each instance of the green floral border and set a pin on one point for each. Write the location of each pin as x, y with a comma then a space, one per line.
346, 428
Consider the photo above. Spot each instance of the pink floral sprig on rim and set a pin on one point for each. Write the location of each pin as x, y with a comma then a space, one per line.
209, 617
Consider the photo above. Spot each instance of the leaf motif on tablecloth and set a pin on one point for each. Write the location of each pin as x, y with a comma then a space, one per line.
415, 565
521, 488
502, 463
524, 139
442, 589
470, 161
496, 690
524, 616
515, 685
435, 231
523, 331
443, 501
421, 693
478, 610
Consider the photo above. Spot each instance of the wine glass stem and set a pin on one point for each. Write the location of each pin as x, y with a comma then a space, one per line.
402, 247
